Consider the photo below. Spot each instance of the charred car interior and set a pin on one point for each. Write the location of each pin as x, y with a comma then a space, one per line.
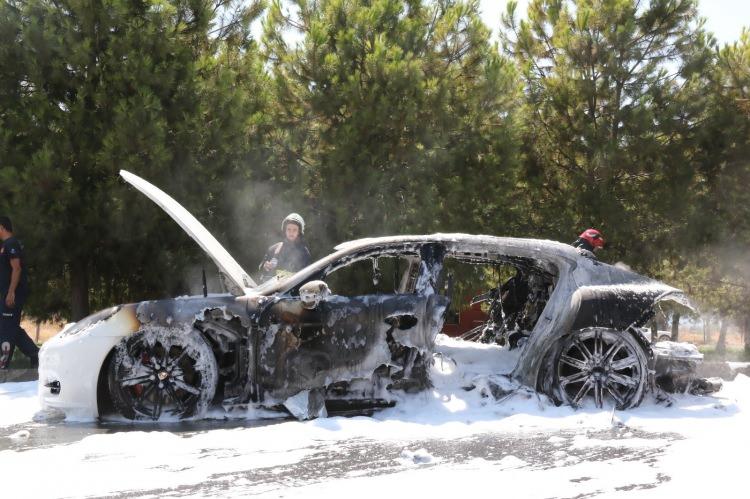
359, 325
497, 299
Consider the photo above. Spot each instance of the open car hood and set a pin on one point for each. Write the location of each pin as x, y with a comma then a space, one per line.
235, 278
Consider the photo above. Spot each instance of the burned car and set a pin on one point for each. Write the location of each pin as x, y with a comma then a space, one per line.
351, 329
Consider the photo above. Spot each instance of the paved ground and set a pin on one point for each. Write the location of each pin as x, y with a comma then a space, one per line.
543, 454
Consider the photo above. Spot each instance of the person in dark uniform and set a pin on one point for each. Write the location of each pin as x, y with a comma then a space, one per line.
590, 240
290, 255
14, 290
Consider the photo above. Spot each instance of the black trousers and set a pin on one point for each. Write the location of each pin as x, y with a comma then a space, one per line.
12, 335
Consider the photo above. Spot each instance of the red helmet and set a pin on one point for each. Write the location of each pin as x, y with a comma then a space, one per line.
594, 238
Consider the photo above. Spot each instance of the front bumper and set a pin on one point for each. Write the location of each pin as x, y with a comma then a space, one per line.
69, 365
68, 375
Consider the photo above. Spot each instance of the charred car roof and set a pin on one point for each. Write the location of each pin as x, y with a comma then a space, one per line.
551, 256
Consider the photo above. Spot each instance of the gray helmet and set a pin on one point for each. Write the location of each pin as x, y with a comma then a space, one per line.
295, 218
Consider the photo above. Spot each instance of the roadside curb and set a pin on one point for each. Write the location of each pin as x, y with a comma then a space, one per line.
18, 375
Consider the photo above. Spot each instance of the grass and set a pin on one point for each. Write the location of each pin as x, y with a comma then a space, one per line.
45, 331
732, 354
20, 361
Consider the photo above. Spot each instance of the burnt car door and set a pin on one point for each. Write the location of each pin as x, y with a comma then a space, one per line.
370, 327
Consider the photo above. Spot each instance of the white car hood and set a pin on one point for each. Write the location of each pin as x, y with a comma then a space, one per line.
237, 280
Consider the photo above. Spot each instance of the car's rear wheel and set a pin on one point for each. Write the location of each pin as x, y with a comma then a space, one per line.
603, 364
162, 374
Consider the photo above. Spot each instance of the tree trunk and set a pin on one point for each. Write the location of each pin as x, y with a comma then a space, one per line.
79, 291
676, 327
654, 330
746, 332
706, 334
721, 345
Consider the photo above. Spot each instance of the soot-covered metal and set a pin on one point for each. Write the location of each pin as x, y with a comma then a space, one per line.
278, 350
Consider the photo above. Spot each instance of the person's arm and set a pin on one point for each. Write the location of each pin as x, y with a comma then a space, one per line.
272, 252
15, 278
262, 264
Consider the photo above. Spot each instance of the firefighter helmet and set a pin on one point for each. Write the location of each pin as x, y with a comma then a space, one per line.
593, 237
294, 218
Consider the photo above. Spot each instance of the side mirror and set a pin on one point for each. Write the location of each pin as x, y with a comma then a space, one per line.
312, 292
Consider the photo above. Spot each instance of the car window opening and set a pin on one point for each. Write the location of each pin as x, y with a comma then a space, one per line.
494, 299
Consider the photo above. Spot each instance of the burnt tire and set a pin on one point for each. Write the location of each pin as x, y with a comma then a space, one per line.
603, 364
160, 374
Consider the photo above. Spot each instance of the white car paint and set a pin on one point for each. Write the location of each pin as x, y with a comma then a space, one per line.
74, 360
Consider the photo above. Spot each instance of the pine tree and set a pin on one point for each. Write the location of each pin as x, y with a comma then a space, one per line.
111, 85
394, 116
615, 97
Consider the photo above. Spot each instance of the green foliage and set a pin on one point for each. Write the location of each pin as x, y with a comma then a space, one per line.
368, 117
614, 97
718, 270
115, 84
392, 114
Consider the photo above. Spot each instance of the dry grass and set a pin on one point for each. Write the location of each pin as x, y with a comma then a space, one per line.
735, 339
45, 330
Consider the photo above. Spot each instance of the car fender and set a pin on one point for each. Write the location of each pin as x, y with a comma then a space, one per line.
188, 310
71, 361
616, 307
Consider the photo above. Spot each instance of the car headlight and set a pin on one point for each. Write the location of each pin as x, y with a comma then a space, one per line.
89, 321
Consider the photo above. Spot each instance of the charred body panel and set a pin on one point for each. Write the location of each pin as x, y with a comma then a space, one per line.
614, 308
351, 344
187, 310
341, 340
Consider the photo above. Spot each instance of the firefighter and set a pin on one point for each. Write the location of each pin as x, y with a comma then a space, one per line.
290, 255
590, 240
14, 289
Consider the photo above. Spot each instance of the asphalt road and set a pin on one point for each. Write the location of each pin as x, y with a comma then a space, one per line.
331, 461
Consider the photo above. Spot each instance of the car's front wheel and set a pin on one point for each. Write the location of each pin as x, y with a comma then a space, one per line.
602, 364
162, 374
